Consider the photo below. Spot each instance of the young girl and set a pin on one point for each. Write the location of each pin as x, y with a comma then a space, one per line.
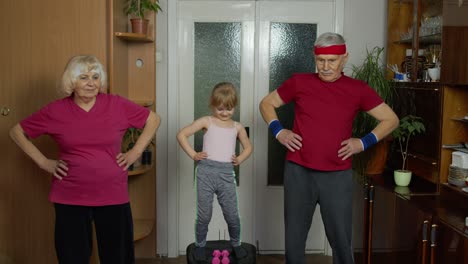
215, 169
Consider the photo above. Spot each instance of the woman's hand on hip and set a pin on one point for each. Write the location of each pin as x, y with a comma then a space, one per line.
126, 159
58, 168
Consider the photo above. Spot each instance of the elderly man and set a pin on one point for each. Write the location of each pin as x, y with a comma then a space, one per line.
320, 146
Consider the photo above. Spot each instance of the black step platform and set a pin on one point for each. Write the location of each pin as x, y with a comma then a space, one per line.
222, 244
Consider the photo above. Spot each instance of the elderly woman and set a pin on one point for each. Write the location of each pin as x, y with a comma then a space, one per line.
90, 176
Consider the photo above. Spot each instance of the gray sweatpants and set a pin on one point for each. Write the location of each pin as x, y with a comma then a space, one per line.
333, 190
213, 177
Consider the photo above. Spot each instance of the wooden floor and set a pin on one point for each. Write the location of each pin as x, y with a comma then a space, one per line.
263, 259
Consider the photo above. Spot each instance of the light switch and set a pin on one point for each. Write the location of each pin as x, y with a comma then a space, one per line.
158, 56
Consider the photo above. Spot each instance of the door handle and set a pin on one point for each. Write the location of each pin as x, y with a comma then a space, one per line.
4, 111
370, 223
433, 243
425, 227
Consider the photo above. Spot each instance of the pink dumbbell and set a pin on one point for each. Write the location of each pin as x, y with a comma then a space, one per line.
225, 255
216, 255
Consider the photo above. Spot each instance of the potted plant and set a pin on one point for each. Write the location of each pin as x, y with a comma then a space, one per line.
410, 125
129, 139
372, 71
138, 9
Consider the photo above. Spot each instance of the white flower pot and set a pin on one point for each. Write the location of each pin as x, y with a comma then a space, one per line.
402, 177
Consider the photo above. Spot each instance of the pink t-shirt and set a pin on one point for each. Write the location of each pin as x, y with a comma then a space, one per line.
220, 142
89, 143
324, 114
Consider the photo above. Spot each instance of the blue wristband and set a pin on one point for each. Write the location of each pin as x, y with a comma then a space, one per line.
275, 127
368, 140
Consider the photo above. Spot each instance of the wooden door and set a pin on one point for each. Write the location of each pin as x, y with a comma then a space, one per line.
38, 38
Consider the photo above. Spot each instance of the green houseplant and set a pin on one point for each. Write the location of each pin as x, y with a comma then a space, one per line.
138, 9
410, 125
128, 141
372, 71
130, 137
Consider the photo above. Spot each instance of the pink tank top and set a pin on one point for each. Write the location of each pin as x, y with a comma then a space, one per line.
220, 142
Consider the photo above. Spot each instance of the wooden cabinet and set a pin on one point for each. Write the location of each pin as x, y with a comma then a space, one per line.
407, 228
454, 128
424, 100
449, 237
443, 108
454, 39
425, 222
447, 245
132, 71
361, 212
439, 28
431, 25
414, 25
399, 229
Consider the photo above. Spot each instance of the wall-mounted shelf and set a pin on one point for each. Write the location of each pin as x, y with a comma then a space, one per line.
456, 188
133, 37
140, 170
461, 119
427, 40
142, 228
144, 103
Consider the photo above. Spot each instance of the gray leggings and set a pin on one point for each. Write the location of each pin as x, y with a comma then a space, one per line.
303, 189
213, 177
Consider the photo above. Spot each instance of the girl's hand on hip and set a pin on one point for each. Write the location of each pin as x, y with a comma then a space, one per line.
290, 140
58, 168
200, 156
235, 161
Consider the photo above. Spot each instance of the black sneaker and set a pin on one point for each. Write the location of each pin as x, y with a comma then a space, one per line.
240, 252
200, 254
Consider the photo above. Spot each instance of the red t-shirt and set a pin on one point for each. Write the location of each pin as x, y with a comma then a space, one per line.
89, 143
324, 114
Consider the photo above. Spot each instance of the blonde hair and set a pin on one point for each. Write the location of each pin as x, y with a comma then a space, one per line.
78, 65
224, 93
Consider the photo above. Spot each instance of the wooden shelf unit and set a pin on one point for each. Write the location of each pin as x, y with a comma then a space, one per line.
140, 170
142, 228
443, 109
132, 74
455, 104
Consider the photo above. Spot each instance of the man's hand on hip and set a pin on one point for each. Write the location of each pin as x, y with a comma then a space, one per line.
290, 140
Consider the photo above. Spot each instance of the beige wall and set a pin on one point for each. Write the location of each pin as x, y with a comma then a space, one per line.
365, 25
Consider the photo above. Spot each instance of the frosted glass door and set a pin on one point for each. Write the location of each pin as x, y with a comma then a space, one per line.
285, 41
215, 44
